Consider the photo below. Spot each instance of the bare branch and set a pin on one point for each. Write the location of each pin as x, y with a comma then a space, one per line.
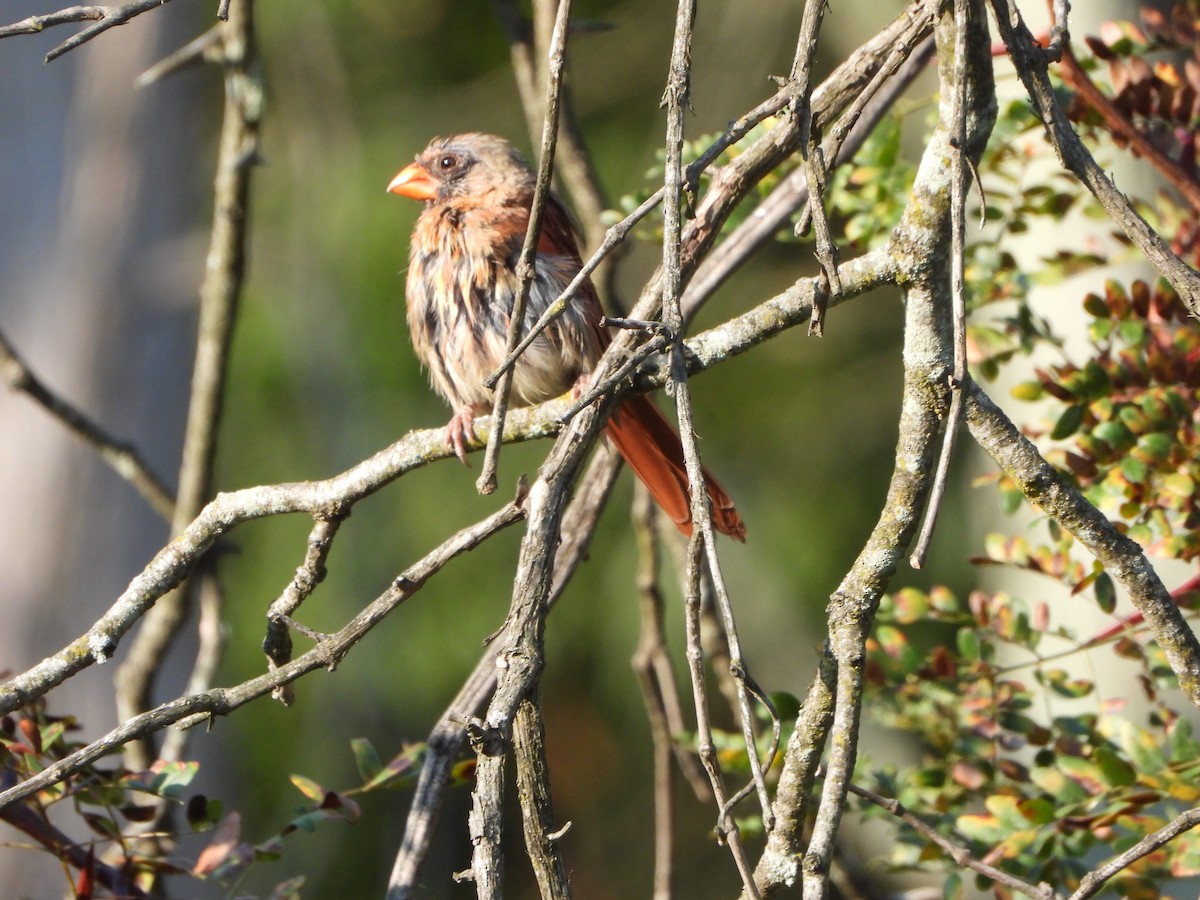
959, 854
1093, 882
219, 293
814, 163
205, 48
105, 17
195, 708
537, 811
1031, 67
448, 737
123, 458
1119, 554
525, 269
958, 299
703, 541
842, 142
652, 667
277, 644
919, 242
228, 510
1060, 31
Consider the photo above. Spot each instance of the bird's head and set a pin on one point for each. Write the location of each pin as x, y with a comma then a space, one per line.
467, 166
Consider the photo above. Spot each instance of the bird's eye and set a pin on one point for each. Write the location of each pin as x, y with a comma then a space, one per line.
447, 162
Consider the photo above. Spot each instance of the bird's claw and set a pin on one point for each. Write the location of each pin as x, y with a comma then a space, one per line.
459, 431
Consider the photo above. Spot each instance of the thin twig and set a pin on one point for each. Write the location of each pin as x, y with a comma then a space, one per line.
959, 854
573, 164
1030, 63
195, 708
448, 737
219, 294
601, 387
703, 542
105, 17
650, 663
814, 161
122, 457
526, 263
205, 48
791, 194
1092, 883
1060, 31
922, 235
958, 298
277, 644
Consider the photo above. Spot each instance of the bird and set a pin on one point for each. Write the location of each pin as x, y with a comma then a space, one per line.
461, 287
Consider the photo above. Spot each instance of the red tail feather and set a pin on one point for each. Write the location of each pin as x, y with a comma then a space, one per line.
653, 450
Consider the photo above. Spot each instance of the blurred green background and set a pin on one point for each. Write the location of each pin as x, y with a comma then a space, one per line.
800, 430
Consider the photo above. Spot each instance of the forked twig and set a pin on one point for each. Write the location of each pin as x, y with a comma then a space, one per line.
105, 17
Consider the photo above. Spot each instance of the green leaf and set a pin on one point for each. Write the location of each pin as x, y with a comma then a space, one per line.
787, 705
1106, 592
165, 780
1133, 469
1038, 810
1115, 434
309, 788
1068, 423
1095, 306
1054, 782
911, 605
968, 644
1083, 772
1060, 682
401, 770
1116, 771
1180, 484
1183, 747
1028, 390
985, 829
1155, 445
366, 758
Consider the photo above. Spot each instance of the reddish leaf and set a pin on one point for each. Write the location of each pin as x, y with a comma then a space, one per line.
223, 843
85, 884
967, 775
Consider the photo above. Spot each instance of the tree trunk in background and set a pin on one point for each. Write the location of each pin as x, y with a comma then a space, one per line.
102, 248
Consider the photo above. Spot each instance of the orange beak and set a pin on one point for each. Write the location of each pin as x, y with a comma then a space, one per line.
414, 181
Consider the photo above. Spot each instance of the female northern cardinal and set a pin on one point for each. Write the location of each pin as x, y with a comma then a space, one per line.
462, 285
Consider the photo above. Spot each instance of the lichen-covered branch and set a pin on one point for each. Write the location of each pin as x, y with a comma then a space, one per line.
1121, 556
